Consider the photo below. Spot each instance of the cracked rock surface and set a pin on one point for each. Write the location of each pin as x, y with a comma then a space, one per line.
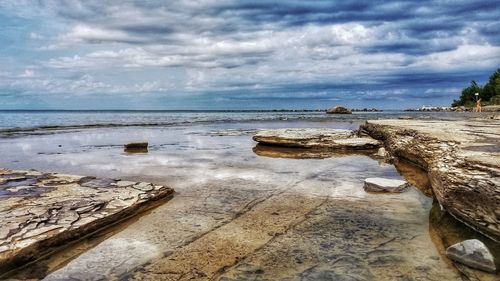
42, 210
315, 138
462, 159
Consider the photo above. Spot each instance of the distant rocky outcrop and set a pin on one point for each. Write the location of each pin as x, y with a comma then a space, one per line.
315, 139
339, 110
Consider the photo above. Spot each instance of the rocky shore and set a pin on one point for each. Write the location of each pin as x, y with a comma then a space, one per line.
462, 159
44, 211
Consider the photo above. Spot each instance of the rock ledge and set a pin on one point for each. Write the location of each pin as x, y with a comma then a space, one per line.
315, 138
42, 211
462, 159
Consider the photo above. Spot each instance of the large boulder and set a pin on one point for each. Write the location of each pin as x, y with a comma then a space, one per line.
472, 253
315, 138
339, 110
385, 185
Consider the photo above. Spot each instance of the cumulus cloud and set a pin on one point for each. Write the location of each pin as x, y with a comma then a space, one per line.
254, 49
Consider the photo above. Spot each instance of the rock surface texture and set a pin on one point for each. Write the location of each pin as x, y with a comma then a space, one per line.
385, 185
41, 211
462, 159
315, 138
472, 253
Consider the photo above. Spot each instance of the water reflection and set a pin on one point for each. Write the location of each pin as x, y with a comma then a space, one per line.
449, 231
304, 153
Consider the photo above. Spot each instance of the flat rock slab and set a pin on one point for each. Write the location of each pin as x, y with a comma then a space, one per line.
315, 138
462, 159
40, 211
385, 185
472, 253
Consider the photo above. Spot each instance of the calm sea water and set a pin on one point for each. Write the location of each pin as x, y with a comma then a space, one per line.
35, 119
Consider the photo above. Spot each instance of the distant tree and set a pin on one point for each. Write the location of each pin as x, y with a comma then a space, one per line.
492, 88
468, 94
489, 92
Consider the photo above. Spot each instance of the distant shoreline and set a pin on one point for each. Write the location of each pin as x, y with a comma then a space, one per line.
189, 110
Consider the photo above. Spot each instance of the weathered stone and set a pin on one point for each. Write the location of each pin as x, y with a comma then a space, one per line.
339, 110
461, 158
315, 138
381, 152
472, 253
97, 183
303, 153
385, 185
31, 225
136, 147
125, 183
144, 186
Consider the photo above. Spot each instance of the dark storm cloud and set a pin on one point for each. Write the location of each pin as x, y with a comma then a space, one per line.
246, 50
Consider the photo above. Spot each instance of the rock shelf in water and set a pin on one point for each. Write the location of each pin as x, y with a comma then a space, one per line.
315, 138
462, 159
41, 211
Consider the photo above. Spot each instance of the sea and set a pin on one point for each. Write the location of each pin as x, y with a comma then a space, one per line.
41, 119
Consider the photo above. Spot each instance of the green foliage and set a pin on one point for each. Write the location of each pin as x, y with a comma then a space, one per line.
486, 92
495, 100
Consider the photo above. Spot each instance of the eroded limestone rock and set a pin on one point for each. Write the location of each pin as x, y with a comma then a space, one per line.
461, 158
40, 211
385, 185
472, 253
315, 138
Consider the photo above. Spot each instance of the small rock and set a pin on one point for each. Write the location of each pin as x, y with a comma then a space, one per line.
472, 253
125, 183
97, 183
382, 152
136, 147
385, 185
144, 186
339, 110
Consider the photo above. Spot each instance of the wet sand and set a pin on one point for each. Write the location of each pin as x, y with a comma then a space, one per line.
238, 215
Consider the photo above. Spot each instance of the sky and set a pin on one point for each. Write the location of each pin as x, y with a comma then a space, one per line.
224, 54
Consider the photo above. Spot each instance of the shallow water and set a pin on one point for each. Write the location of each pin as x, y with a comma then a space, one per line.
43, 120
240, 212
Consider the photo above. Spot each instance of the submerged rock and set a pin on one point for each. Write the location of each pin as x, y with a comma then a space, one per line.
385, 185
315, 138
472, 253
135, 147
303, 153
339, 110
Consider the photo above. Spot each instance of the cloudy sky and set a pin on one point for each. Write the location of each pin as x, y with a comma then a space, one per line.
223, 54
